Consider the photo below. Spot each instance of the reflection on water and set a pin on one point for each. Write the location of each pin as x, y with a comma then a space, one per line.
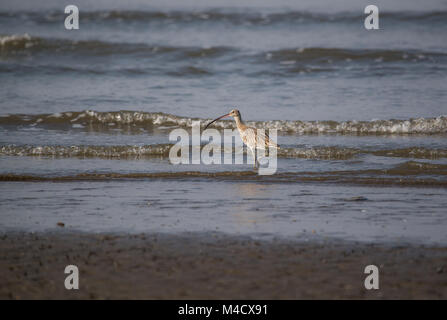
248, 210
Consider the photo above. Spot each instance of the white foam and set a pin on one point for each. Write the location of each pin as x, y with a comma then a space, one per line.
5, 40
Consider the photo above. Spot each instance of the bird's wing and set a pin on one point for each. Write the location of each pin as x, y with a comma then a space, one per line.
249, 137
260, 138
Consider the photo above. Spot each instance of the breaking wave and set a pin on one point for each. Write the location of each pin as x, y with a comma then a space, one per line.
16, 41
316, 55
187, 61
162, 151
163, 121
20, 44
25, 43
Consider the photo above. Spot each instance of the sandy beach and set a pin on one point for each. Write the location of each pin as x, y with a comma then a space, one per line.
213, 266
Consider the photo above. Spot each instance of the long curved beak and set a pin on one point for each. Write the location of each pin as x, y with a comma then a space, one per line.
225, 115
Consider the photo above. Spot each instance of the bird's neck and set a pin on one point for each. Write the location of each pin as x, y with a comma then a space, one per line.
239, 123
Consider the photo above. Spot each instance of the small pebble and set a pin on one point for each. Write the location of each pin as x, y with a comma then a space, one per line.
359, 198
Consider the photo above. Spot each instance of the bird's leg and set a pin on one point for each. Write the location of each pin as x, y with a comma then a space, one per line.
257, 163
253, 152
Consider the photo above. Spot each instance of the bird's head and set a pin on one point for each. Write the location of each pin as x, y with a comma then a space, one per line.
233, 113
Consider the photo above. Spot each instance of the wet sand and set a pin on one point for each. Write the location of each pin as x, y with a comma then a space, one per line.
213, 266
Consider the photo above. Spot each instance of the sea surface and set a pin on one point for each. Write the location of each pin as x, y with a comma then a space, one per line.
361, 117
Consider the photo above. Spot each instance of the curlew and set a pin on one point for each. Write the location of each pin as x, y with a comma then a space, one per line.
253, 138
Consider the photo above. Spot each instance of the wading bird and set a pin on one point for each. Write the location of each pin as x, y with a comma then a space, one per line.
253, 138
